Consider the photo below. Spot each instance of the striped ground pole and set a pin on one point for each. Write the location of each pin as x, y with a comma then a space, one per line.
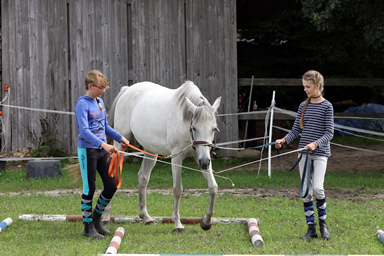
133, 219
50, 217
254, 233
5, 223
380, 235
116, 241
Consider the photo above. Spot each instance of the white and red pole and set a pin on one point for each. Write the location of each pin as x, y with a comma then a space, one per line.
116, 241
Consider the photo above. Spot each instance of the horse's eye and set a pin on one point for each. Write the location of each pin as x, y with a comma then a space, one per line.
193, 128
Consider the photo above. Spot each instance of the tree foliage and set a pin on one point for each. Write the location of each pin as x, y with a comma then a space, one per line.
339, 38
366, 16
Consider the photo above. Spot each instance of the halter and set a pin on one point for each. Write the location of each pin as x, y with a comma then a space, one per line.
200, 142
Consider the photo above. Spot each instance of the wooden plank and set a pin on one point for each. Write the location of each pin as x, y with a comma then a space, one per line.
163, 57
130, 70
13, 129
77, 85
140, 44
61, 77
7, 53
19, 86
58, 59
4, 69
109, 44
181, 76
189, 59
297, 82
123, 47
24, 16
98, 43
229, 92
153, 36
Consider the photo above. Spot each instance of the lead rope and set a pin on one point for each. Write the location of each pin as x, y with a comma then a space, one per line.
307, 167
113, 170
118, 158
164, 157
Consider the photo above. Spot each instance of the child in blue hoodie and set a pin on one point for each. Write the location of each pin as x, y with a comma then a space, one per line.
93, 151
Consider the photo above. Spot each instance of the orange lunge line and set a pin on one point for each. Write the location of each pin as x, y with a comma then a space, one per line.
114, 166
119, 157
129, 145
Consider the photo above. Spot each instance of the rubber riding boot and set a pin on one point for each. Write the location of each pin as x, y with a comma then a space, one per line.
324, 230
99, 225
90, 231
311, 233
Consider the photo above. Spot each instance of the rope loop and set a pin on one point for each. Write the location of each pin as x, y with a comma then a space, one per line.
306, 171
113, 170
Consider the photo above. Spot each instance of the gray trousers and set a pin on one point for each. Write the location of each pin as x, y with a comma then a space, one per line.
318, 169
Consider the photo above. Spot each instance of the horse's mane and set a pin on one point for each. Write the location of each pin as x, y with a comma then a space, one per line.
204, 112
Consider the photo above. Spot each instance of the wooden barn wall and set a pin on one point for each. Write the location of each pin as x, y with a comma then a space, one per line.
34, 61
49, 46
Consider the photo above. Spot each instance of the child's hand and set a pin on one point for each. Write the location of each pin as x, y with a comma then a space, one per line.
279, 143
311, 146
109, 148
124, 141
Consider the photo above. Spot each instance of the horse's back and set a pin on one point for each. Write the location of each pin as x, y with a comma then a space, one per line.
147, 93
152, 113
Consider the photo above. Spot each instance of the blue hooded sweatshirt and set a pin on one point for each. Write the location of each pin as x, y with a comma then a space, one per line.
92, 124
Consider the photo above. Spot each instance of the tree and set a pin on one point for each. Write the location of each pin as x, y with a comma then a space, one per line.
290, 43
366, 16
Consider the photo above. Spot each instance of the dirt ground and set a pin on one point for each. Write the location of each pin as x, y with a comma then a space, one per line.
343, 159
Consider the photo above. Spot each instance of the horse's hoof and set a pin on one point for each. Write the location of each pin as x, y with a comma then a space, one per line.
106, 222
151, 222
179, 230
203, 226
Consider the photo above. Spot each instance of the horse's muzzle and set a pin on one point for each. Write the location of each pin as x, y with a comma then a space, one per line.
204, 163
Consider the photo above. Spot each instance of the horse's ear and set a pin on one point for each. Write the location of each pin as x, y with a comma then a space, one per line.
216, 104
190, 106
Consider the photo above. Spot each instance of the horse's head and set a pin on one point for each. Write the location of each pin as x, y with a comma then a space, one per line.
203, 129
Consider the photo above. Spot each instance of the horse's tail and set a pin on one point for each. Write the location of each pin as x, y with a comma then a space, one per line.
111, 114
74, 171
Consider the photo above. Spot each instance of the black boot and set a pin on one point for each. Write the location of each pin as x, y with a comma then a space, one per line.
324, 230
311, 233
90, 231
99, 225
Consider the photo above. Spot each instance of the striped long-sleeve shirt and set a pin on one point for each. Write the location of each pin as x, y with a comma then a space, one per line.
318, 127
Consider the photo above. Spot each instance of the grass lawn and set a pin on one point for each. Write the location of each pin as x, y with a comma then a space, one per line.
352, 225
352, 222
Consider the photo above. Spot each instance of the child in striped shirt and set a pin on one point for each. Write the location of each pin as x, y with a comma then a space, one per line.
315, 122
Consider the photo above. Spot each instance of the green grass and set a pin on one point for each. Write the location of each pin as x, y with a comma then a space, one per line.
161, 177
352, 225
352, 222
355, 140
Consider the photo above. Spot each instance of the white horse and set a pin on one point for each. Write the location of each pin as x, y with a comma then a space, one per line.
165, 121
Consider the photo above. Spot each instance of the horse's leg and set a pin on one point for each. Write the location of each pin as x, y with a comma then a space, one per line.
206, 221
177, 191
107, 214
143, 176
107, 210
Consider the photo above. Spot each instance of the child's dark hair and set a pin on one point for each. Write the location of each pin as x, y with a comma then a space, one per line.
95, 77
316, 78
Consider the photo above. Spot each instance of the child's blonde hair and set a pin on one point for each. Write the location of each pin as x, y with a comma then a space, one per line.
95, 77
316, 78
